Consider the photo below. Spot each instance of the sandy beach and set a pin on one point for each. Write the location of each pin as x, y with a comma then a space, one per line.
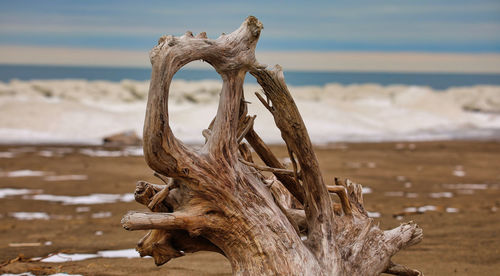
450, 188
398, 96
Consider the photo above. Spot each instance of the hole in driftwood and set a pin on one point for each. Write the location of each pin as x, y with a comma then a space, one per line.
193, 100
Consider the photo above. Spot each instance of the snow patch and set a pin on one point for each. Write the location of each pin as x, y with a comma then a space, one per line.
22, 173
29, 215
65, 177
62, 257
83, 200
16, 192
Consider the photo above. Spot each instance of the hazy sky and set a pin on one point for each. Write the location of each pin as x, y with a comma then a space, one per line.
436, 26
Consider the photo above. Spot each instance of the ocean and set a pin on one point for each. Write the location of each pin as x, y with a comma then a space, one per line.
59, 104
437, 81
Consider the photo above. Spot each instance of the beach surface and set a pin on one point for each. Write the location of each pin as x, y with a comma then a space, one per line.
69, 200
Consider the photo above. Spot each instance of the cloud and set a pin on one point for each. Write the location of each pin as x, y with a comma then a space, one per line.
405, 25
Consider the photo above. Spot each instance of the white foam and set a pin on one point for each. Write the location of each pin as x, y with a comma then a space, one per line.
83, 200
30, 215
95, 109
22, 173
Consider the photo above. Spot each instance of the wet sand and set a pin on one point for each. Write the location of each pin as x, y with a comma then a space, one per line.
461, 236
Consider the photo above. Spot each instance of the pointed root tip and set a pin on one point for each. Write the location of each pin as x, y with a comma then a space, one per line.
159, 261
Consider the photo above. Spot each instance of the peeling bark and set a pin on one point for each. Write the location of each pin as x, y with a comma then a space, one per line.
216, 198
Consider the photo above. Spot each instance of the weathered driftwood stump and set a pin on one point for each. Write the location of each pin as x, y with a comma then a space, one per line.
216, 198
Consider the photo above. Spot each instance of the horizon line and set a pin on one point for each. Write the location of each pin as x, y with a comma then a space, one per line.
321, 61
209, 68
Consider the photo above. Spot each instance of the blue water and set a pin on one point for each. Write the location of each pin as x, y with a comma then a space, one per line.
297, 78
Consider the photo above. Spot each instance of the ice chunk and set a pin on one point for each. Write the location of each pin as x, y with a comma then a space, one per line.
14, 192
65, 177
373, 214
101, 215
62, 257
442, 194
22, 173
88, 199
30, 215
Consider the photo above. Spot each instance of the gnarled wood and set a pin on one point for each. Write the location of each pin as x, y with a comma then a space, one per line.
216, 198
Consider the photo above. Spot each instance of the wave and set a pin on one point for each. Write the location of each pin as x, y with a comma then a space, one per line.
80, 111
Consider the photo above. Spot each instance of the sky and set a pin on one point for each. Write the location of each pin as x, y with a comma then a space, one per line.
436, 28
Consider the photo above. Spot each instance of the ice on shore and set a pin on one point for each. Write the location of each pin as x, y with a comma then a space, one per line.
441, 195
30, 111
68, 200
6, 154
22, 173
128, 151
65, 177
465, 186
62, 257
374, 214
421, 209
83, 200
31, 274
101, 215
5, 192
29, 215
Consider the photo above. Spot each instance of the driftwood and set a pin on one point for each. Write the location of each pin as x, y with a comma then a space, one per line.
216, 198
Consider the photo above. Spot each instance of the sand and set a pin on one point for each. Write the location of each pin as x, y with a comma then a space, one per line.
461, 222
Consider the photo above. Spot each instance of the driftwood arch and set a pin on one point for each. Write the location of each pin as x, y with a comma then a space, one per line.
216, 199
